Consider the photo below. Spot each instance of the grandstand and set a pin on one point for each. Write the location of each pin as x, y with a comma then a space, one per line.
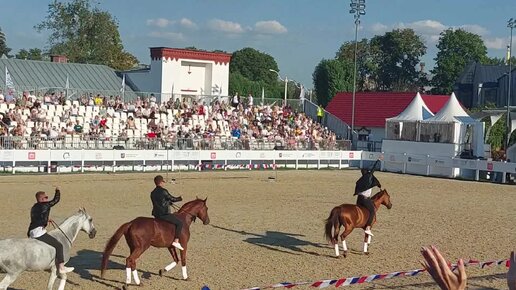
98, 122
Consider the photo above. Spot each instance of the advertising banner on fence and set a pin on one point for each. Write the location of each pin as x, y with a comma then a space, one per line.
32, 155
65, 155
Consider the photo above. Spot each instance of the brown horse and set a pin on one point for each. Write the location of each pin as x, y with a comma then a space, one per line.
143, 232
352, 216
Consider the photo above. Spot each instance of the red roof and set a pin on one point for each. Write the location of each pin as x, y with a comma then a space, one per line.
372, 108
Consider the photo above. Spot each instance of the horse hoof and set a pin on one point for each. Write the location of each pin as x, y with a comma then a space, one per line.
186, 279
125, 287
366, 253
160, 272
345, 255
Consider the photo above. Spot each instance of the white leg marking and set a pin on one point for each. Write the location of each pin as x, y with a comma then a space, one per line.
135, 276
365, 247
62, 284
344, 246
170, 266
368, 239
185, 275
337, 250
127, 275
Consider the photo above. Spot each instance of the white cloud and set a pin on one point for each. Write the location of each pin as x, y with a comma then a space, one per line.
225, 26
187, 23
379, 28
175, 36
269, 27
474, 28
159, 22
430, 30
496, 43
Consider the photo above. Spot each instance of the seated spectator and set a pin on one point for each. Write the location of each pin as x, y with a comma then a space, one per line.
78, 129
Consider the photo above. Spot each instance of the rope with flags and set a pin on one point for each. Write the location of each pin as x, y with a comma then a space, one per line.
369, 278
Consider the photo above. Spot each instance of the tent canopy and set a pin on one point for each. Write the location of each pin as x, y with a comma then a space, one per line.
417, 110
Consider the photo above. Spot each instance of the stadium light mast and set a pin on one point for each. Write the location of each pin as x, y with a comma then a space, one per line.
358, 9
286, 82
511, 24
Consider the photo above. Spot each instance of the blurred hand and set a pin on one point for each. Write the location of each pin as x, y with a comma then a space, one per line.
440, 270
511, 275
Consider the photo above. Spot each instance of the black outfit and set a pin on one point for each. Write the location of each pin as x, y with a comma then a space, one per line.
39, 218
161, 201
367, 181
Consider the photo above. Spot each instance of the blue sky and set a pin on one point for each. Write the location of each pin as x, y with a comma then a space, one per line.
297, 33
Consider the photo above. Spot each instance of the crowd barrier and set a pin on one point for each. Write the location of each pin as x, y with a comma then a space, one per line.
50, 161
56, 161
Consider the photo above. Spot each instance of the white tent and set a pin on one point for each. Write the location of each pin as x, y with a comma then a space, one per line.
415, 111
453, 125
404, 126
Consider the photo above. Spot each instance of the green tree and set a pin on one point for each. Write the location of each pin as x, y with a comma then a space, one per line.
498, 61
397, 54
330, 77
366, 67
31, 54
457, 48
254, 65
85, 34
3, 44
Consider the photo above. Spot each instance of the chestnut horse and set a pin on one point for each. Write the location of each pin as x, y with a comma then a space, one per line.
143, 232
352, 216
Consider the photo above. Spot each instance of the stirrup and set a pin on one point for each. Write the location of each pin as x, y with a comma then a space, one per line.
177, 245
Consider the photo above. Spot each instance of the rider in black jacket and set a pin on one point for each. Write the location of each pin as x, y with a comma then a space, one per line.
363, 189
39, 214
161, 201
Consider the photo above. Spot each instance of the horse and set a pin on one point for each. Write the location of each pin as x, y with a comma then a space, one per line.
143, 232
352, 216
18, 255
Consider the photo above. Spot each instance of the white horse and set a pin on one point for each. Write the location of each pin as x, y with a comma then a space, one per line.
18, 255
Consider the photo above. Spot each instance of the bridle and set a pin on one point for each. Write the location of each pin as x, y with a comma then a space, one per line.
177, 208
56, 226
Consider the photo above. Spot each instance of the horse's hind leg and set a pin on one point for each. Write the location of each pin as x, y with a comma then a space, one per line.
347, 230
8, 280
130, 263
62, 283
335, 241
170, 266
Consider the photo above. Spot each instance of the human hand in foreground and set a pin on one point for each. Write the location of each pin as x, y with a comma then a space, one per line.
440, 270
511, 275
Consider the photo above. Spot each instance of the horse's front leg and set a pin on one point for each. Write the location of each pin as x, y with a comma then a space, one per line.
62, 283
52, 279
173, 253
367, 241
183, 262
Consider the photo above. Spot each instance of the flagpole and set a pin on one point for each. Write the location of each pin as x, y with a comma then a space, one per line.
67, 86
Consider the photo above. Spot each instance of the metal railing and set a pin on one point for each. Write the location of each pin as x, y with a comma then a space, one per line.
135, 143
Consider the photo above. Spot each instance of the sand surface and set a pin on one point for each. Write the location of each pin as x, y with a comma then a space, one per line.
264, 232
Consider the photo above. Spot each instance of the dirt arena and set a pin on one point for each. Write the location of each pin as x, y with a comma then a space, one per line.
264, 232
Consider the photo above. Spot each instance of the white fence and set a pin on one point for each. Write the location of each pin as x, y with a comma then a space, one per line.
51, 161
146, 160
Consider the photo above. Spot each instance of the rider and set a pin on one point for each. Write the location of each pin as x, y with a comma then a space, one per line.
363, 189
161, 200
38, 221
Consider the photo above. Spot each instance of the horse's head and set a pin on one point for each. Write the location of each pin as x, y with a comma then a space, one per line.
197, 208
385, 198
86, 224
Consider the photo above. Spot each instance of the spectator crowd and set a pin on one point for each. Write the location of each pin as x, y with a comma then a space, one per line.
96, 121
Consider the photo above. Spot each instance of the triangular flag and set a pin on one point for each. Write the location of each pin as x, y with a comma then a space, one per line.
8, 80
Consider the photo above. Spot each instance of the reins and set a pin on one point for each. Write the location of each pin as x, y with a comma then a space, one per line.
56, 226
177, 208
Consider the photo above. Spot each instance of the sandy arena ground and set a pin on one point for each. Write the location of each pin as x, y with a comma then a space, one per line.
264, 232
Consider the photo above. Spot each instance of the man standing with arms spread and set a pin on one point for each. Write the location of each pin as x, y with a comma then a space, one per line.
161, 201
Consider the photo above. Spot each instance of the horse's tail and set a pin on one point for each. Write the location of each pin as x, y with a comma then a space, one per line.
111, 245
331, 222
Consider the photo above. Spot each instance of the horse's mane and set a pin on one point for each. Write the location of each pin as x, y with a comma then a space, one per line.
378, 194
189, 204
71, 218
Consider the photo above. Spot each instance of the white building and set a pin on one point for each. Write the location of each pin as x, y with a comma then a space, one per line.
182, 72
